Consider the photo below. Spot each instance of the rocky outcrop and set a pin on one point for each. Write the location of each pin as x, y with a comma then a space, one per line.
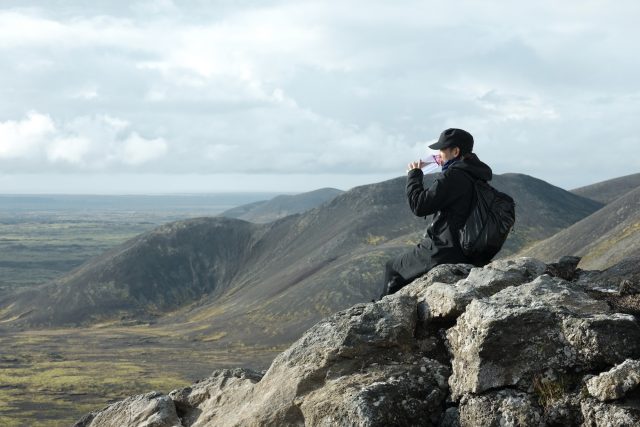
598, 414
617, 382
516, 343
147, 410
449, 300
501, 408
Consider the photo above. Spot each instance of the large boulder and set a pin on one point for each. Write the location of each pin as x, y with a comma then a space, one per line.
224, 391
615, 383
444, 273
503, 408
599, 414
405, 394
548, 324
602, 340
147, 410
357, 367
449, 300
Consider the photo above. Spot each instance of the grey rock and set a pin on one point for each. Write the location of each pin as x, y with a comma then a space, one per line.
343, 343
405, 394
613, 278
147, 410
451, 418
526, 266
553, 294
504, 408
444, 273
628, 287
347, 359
565, 268
200, 404
519, 351
448, 301
490, 349
603, 339
563, 410
506, 339
598, 414
615, 383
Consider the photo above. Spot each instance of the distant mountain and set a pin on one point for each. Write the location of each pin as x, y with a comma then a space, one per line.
601, 239
227, 279
280, 206
607, 191
540, 209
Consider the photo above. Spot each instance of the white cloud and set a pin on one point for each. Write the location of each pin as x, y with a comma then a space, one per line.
87, 94
85, 143
137, 150
23, 138
70, 149
320, 87
516, 107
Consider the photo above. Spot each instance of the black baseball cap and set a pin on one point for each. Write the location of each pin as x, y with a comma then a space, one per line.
454, 138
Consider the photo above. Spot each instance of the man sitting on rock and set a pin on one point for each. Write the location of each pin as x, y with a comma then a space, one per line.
449, 198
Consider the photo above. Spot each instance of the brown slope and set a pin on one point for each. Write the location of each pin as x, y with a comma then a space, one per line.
601, 239
608, 191
266, 283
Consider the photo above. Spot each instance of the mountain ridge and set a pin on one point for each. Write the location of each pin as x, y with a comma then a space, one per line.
280, 206
601, 239
609, 190
291, 271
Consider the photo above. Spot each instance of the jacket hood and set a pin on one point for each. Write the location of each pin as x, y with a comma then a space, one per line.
475, 167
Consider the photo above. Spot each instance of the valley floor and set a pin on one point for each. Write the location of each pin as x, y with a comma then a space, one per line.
53, 377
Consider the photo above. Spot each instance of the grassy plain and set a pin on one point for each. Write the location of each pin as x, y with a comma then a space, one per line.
53, 377
36, 250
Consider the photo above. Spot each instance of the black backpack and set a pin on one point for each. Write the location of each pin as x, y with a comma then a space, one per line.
491, 218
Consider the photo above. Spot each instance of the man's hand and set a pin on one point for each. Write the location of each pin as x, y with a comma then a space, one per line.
416, 165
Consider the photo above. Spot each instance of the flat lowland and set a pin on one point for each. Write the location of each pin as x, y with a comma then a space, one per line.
53, 377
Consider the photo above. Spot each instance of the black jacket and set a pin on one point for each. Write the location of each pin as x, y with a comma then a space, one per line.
449, 198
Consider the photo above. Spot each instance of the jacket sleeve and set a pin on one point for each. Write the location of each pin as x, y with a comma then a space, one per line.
428, 201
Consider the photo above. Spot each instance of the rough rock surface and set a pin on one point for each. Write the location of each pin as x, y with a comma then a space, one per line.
598, 414
566, 268
147, 410
516, 343
613, 277
500, 409
615, 383
601, 340
505, 340
202, 402
448, 300
404, 394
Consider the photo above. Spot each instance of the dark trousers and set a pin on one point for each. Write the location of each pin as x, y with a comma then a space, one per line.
406, 267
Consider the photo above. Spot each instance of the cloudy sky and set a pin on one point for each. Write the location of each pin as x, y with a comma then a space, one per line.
204, 96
